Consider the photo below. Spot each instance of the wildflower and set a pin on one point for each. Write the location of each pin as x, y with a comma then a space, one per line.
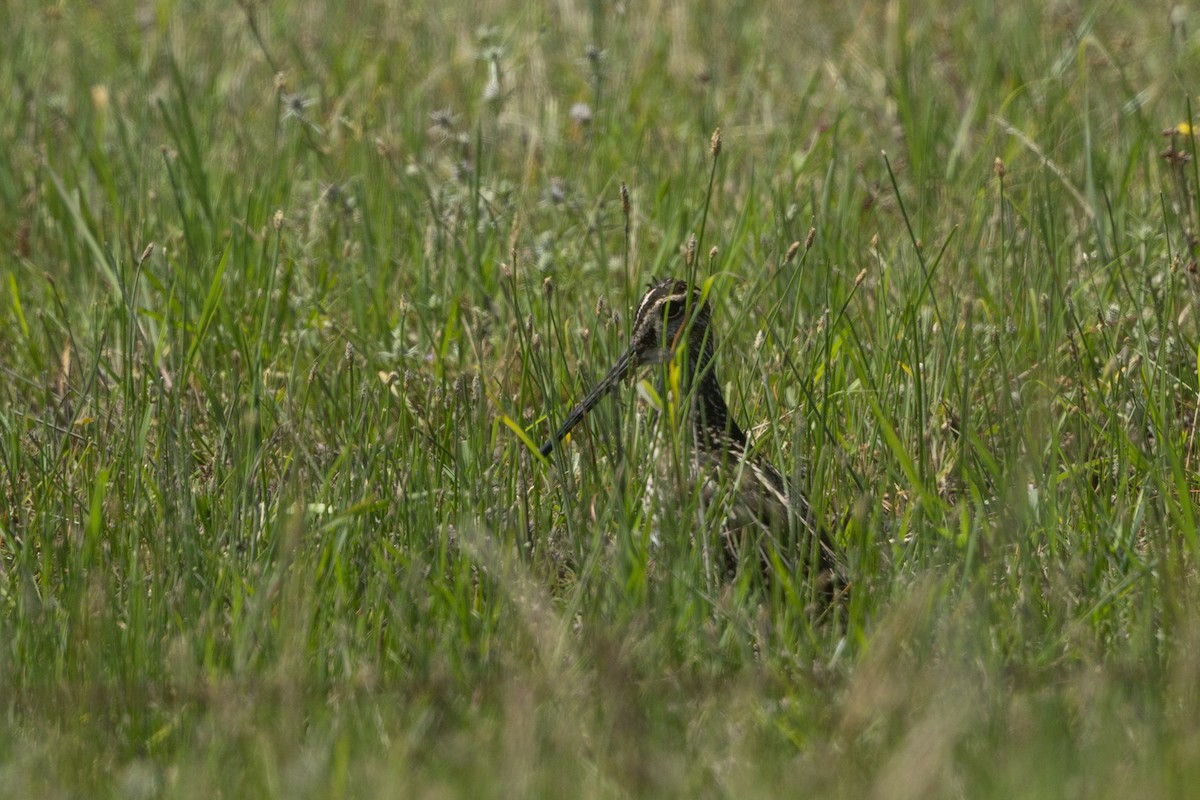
581, 114
1177, 156
295, 106
443, 121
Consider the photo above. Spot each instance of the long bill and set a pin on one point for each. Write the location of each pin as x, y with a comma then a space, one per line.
625, 364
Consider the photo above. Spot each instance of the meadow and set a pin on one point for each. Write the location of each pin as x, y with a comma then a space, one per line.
291, 291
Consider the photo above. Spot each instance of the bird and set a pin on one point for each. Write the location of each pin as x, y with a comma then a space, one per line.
672, 316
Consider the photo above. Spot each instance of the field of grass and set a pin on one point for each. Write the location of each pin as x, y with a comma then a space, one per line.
286, 288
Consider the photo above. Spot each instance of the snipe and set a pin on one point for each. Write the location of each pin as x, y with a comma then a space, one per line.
754, 495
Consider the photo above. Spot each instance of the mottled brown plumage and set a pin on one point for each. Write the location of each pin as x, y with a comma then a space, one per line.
751, 493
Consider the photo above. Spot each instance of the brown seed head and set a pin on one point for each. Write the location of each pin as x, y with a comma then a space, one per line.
714, 145
791, 252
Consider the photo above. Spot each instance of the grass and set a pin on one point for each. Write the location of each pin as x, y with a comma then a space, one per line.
288, 289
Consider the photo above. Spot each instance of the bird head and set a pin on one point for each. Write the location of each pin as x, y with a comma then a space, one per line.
671, 314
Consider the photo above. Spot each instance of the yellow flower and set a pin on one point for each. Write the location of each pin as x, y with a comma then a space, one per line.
1184, 129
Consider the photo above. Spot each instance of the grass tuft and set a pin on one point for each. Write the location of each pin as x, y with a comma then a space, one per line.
291, 291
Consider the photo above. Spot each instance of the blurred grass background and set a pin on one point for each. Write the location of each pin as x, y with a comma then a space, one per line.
281, 279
